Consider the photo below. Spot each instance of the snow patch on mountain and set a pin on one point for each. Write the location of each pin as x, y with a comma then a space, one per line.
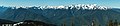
78, 6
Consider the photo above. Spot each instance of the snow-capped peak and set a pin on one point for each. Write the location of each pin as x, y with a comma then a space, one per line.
78, 6
61, 6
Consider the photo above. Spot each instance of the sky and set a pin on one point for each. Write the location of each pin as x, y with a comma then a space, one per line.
109, 3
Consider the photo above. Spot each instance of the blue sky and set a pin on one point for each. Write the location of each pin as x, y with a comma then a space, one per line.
110, 3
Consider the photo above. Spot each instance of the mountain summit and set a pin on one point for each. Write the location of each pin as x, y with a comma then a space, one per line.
78, 6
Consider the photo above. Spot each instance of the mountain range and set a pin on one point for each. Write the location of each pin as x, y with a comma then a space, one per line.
78, 16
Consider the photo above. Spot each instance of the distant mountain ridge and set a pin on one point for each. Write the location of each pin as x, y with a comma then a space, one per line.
78, 6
